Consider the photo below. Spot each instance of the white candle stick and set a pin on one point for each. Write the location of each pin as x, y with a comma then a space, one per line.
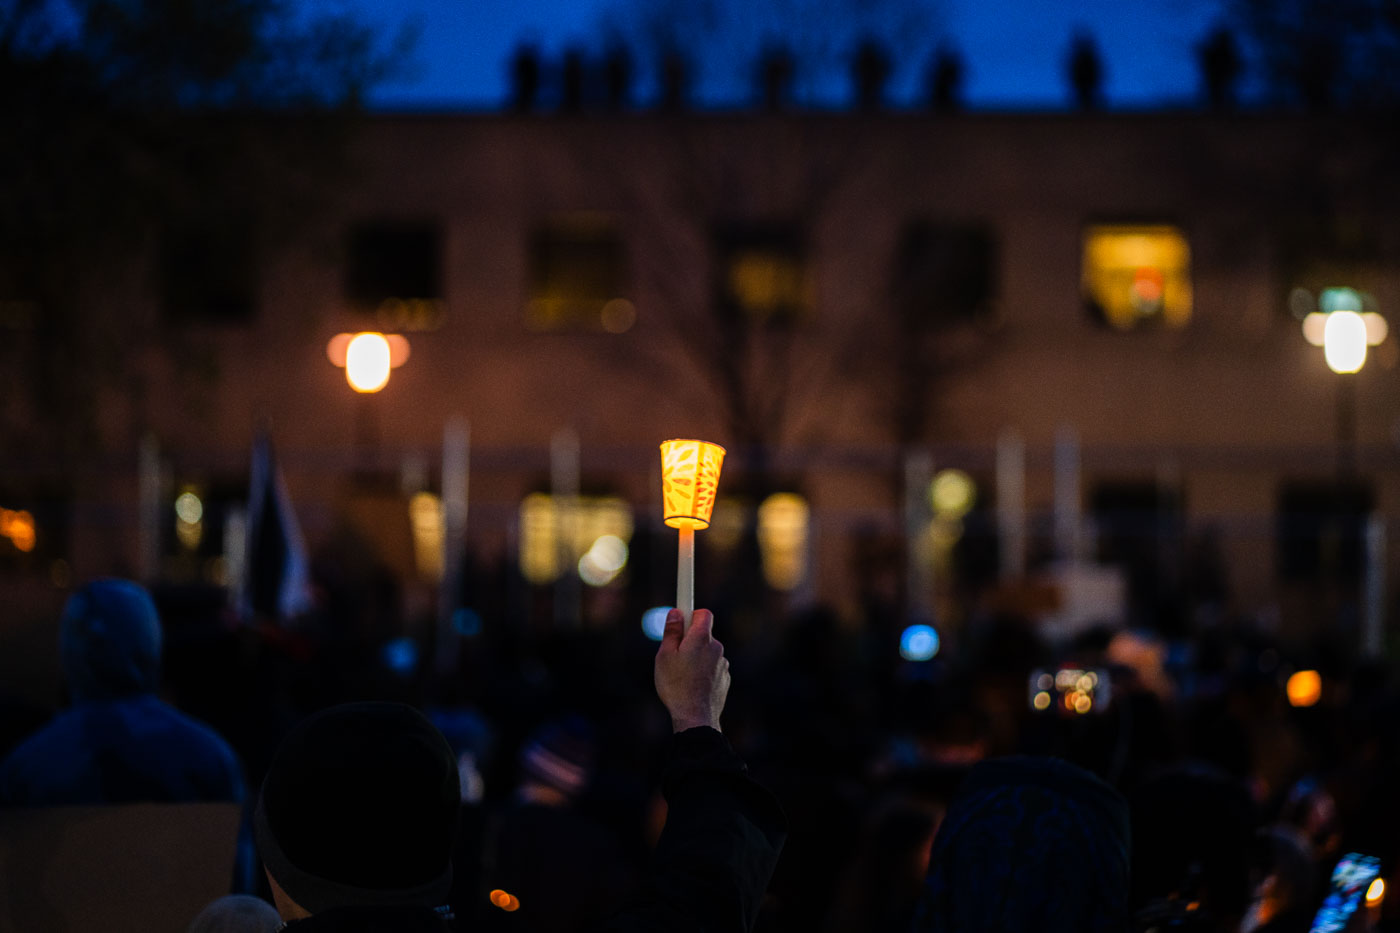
685, 574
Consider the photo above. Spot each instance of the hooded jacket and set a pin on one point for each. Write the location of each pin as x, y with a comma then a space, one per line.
118, 743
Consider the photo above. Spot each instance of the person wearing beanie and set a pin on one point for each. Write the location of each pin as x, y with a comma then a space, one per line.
1029, 843
358, 811
357, 818
118, 743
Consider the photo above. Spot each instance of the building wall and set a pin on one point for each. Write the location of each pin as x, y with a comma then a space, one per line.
1224, 408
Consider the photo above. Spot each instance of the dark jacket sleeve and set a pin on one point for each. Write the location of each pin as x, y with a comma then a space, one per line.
719, 848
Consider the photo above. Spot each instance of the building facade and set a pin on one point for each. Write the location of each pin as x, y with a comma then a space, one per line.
1095, 318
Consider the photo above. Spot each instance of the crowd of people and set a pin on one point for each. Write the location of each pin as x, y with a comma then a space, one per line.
532, 781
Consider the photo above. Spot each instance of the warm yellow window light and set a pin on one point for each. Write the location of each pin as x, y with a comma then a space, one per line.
1136, 274
782, 539
543, 525
689, 481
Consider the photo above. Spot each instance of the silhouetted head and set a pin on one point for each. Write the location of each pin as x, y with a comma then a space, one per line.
110, 641
1029, 844
359, 809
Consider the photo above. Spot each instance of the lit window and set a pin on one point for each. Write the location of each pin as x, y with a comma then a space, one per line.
591, 537
763, 274
425, 518
782, 539
394, 271
1137, 275
578, 277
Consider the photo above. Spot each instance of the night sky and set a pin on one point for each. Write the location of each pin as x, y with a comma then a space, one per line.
1014, 49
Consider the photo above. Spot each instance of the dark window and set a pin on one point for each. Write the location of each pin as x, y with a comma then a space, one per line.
394, 270
577, 277
208, 272
1140, 529
1321, 531
763, 274
945, 273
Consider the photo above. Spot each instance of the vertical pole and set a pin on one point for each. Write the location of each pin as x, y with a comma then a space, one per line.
148, 504
456, 462
685, 573
1067, 517
1011, 504
1373, 589
564, 485
235, 550
1346, 425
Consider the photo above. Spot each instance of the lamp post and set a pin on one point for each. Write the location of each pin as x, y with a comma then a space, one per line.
1344, 330
368, 358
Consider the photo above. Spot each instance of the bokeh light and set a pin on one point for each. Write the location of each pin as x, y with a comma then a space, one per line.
1375, 893
918, 643
18, 526
654, 622
1344, 341
782, 539
1377, 329
367, 362
952, 494
505, 901
601, 564
1304, 688
188, 508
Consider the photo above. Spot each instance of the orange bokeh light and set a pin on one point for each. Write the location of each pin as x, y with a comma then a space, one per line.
19, 528
1304, 688
505, 901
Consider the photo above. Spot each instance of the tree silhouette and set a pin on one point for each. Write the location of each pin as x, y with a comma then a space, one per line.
1323, 54
127, 120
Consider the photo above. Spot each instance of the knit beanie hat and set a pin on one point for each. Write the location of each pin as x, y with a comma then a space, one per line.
359, 808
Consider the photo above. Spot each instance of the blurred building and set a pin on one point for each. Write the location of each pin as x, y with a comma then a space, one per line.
1096, 318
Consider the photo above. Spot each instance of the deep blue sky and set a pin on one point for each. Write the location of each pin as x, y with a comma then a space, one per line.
1014, 49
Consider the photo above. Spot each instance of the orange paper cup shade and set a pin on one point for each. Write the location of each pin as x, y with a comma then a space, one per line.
689, 480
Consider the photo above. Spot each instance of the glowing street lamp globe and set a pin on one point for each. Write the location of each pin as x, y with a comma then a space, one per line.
367, 357
1344, 341
367, 362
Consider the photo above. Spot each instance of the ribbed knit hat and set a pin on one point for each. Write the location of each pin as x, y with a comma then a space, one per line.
359, 808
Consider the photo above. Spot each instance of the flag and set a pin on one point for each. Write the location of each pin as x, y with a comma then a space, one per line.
275, 580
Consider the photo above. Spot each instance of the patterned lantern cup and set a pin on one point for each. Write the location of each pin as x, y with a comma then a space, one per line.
689, 483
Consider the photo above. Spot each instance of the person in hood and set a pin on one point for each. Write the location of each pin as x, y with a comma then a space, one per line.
118, 742
1029, 844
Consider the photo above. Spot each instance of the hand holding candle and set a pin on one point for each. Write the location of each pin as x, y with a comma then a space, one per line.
689, 484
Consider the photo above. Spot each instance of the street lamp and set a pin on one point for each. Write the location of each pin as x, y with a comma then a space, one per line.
367, 358
1343, 329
